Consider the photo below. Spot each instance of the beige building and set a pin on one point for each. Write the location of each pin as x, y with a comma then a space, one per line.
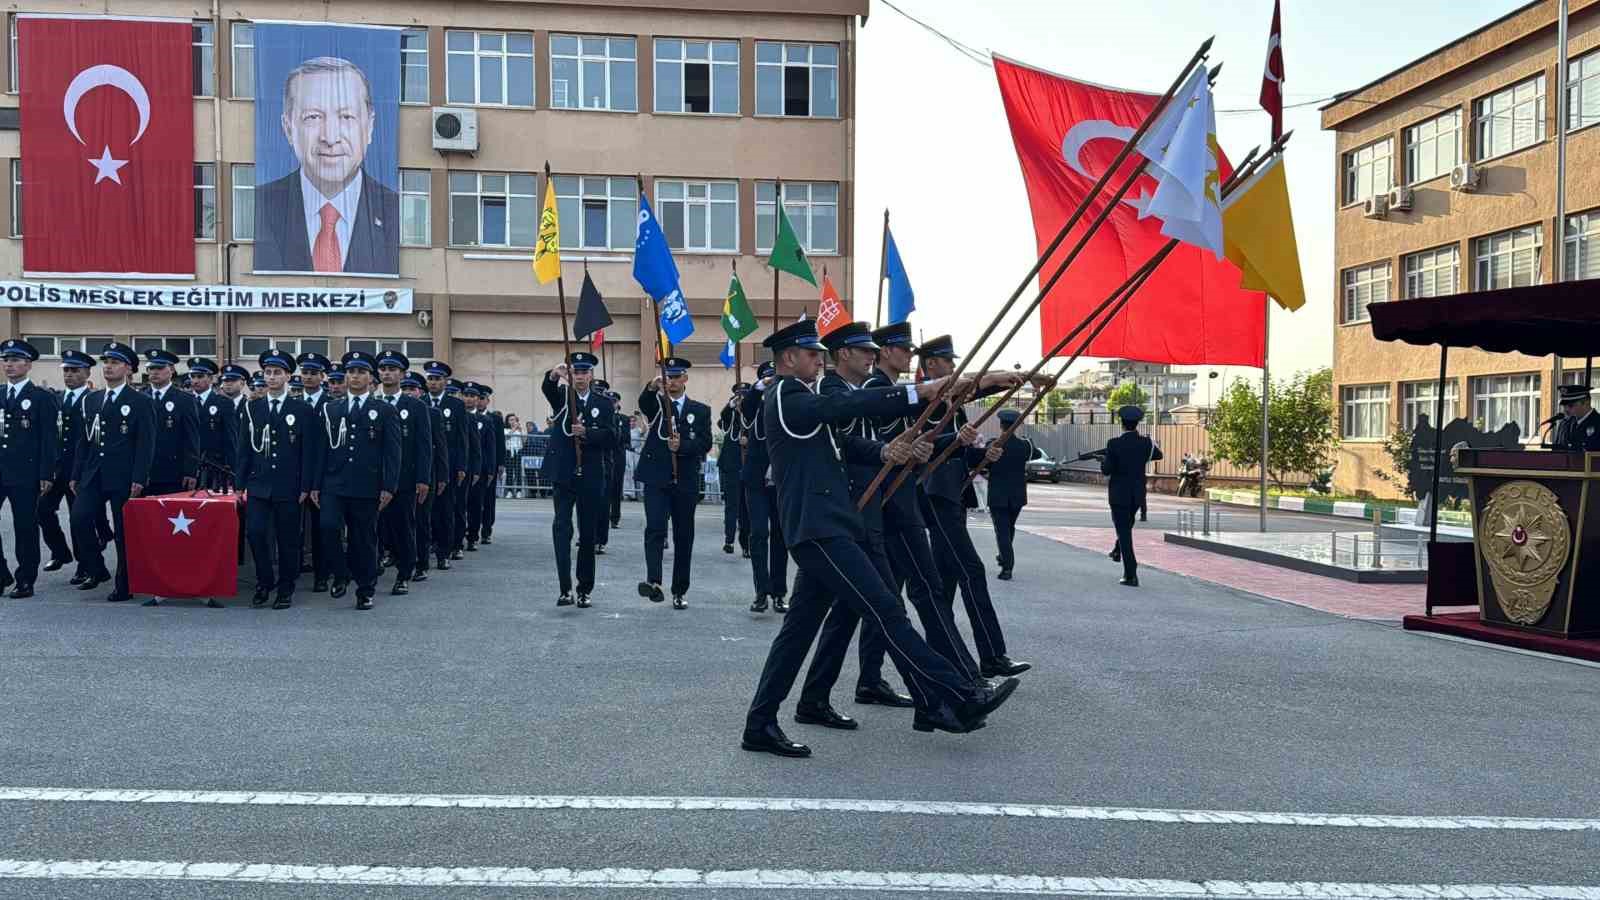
712, 101
1446, 174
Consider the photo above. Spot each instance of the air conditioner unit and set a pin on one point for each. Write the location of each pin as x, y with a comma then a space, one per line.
1464, 178
1400, 199
455, 129
1376, 207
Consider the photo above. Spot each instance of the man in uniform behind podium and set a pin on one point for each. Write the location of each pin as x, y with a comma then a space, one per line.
1579, 430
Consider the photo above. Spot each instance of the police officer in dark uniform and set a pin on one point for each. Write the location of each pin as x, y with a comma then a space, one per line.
334, 383
825, 534
730, 460
30, 441
1124, 462
482, 435
233, 384
603, 528
440, 457
316, 374
177, 459
494, 462
623, 428
218, 427
458, 530
75, 366
115, 452
399, 519
1008, 490
671, 494
581, 490
359, 478
769, 556
281, 448
1579, 429
453, 421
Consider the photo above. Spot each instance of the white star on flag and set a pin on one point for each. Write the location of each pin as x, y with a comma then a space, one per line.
181, 523
106, 167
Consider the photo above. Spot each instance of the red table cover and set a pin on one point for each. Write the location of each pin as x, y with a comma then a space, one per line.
184, 544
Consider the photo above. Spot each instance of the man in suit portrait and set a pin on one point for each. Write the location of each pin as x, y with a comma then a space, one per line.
329, 214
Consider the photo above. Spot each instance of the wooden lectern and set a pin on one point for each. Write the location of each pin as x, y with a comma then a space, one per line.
1536, 538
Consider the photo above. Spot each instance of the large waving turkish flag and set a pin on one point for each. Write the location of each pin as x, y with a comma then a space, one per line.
1192, 310
107, 146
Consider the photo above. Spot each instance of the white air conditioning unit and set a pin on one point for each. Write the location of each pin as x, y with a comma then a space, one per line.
455, 129
1464, 178
1400, 199
1376, 207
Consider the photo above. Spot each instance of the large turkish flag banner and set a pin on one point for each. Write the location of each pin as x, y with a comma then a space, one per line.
107, 146
183, 545
1191, 311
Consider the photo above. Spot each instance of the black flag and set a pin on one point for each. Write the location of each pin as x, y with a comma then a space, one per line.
591, 315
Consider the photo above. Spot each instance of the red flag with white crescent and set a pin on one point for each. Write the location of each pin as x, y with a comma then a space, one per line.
107, 146
1272, 75
1191, 311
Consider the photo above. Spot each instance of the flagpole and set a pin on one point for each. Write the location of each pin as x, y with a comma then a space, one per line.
777, 211
1266, 406
738, 346
566, 354
883, 269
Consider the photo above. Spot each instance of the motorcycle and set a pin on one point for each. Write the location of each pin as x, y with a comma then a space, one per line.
1191, 476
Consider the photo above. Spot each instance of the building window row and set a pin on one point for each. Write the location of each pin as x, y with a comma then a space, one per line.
1507, 259
1498, 402
415, 349
1364, 411
1363, 285
53, 345
1417, 401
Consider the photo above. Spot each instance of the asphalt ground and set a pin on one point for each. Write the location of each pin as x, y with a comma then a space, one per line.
1179, 696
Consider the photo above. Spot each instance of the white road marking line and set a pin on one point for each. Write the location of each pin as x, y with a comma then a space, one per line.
768, 879
797, 804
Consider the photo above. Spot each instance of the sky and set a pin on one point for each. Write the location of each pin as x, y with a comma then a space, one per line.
934, 148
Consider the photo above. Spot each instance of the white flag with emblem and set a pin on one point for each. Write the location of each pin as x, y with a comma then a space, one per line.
1183, 153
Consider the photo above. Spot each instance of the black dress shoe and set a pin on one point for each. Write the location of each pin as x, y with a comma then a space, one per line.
21, 592
444, 565
651, 592
780, 605
363, 601
826, 716
1128, 582
584, 602
942, 719
400, 589
55, 565
419, 575
386, 561
1116, 555
259, 598
319, 587
760, 604
90, 582
214, 603
728, 549
599, 549
486, 542
6, 580
77, 580
564, 600
457, 555
472, 546
616, 523
153, 601
1003, 665
771, 739
678, 602
1005, 575
985, 701
115, 597
881, 694
338, 590
746, 554
282, 603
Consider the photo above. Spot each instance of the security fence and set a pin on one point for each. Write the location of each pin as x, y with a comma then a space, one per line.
525, 457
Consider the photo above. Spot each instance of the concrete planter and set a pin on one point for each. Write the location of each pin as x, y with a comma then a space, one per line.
1341, 508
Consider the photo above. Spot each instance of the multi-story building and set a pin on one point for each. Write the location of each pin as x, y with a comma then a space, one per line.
713, 102
1446, 182
1165, 388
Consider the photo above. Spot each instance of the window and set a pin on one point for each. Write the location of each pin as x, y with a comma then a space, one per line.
1364, 285
1367, 171
244, 60
594, 73
184, 347
1583, 91
1433, 273
16, 81
813, 211
244, 201
1417, 399
252, 347
1580, 261
492, 210
697, 76
1433, 147
1509, 259
415, 351
699, 215
490, 68
16, 198
205, 201
597, 213
416, 225
797, 80
53, 345
1501, 400
205, 58
1510, 119
414, 66
1365, 413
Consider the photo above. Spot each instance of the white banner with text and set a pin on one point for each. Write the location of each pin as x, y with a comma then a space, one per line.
203, 298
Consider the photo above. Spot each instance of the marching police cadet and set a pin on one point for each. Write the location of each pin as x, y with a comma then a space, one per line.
30, 441
494, 461
359, 477
399, 519
440, 458
946, 513
177, 461
581, 485
1579, 429
458, 528
235, 380
735, 518
619, 458
219, 427
1125, 458
297, 387
334, 383
825, 534
281, 450
75, 366
314, 368
769, 558
671, 493
115, 452
602, 529
481, 433
1008, 491
315, 374
453, 418
258, 386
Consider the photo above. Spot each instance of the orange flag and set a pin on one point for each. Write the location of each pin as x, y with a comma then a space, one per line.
831, 314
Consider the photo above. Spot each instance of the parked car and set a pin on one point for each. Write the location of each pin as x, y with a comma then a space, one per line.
1044, 468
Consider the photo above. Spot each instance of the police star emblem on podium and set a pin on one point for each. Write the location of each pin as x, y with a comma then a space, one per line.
1525, 547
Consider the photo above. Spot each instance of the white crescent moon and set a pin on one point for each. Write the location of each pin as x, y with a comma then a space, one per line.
1086, 131
1272, 44
114, 76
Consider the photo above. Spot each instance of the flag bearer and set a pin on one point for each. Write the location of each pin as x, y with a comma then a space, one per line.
769, 557
586, 418
735, 518
670, 494
1124, 462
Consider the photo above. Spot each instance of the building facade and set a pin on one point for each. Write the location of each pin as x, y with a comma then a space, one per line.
1445, 182
1165, 388
712, 102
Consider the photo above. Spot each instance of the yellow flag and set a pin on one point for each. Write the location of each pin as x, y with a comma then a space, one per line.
1258, 236
547, 252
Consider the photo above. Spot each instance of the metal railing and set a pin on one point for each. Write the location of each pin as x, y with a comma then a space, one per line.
524, 480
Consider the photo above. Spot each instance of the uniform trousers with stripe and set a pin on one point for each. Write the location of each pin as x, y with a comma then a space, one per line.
833, 644
358, 517
490, 489
422, 528
911, 559
1005, 533
475, 511
50, 525
670, 504
587, 499
24, 501
398, 522
458, 528
88, 509
960, 566
769, 556
444, 520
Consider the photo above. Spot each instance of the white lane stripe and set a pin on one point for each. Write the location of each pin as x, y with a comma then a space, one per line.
768, 879
798, 804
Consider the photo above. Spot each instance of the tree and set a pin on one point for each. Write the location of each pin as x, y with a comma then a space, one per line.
1301, 418
1128, 393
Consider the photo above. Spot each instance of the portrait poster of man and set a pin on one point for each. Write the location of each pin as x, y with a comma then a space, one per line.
327, 164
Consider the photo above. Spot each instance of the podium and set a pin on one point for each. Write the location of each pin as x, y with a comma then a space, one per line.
1536, 539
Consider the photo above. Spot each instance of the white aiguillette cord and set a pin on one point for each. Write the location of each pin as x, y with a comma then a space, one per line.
327, 425
265, 446
813, 433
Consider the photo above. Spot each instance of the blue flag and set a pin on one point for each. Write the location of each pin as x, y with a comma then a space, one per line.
726, 355
655, 271
902, 300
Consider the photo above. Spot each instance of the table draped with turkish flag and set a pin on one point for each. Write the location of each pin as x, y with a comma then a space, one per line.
1192, 310
107, 145
184, 544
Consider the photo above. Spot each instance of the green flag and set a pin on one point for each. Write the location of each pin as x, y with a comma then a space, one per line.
787, 255
737, 318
